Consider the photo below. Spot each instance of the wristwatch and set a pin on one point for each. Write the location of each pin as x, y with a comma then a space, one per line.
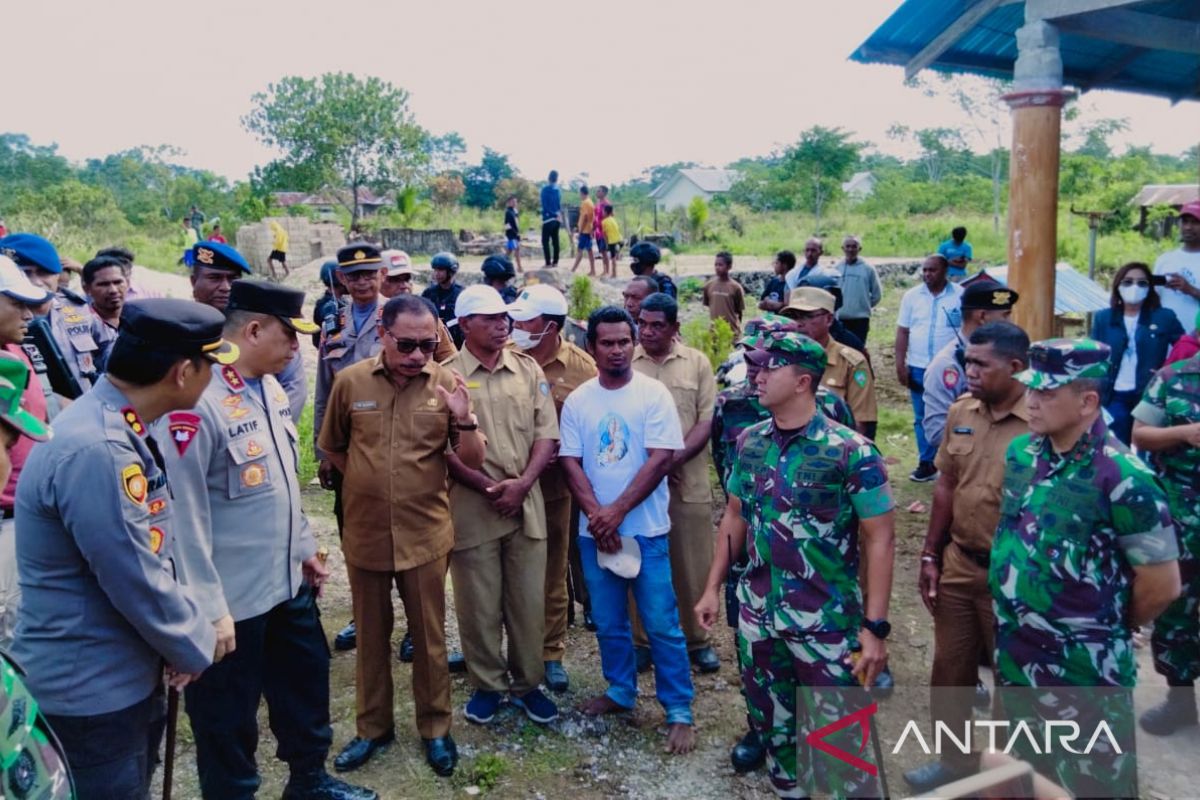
879, 628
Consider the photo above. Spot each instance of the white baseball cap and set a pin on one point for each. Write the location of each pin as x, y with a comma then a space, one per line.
479, 299
537, 300
397, 262
14, 284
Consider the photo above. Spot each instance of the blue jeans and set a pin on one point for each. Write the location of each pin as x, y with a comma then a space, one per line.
655, 599
926, 451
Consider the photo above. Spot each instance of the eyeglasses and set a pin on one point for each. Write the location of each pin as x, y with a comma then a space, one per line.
360, 275
406, 346
1143, 283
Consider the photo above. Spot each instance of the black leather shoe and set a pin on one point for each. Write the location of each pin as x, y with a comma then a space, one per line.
359, 751
406, 652
347, 638
320, 785
705, 659
748, 754
641, 656
928, 777
587, 621
442, 755
556, 677
457, 662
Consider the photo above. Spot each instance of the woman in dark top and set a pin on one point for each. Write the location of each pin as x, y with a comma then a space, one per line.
1140, 332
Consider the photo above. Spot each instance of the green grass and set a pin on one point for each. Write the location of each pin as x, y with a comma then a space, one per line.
308, 463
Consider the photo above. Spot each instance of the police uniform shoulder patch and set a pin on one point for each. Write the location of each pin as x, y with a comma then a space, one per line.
232, 378
133, 420
133, 480
184, 426
950, 377
156, 538
157, 506
860, 376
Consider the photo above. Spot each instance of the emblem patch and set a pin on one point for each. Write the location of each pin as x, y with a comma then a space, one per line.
134, 482
156, 506
183, 426
950, 377
204, 255
253, 449
544, 388
237, 413
253, 475
133, 420
860, 377
156, 538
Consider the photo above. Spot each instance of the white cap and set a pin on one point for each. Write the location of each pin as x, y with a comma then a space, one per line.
536, 300
14, 284
479, 299
397, 262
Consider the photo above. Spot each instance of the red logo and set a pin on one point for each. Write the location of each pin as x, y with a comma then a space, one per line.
862, 717
184, 427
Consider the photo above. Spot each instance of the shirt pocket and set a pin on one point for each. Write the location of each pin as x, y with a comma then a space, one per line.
430, 431
960, 444
367, 425
249, 466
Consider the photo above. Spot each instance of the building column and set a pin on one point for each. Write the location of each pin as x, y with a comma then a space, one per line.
1036, 102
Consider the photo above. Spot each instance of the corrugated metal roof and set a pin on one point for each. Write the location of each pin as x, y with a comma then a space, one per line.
709, 180
1074, 293
1166, 194
990, 48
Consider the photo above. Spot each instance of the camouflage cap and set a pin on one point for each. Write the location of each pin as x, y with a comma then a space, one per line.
1057, 362
753, 330
779, 348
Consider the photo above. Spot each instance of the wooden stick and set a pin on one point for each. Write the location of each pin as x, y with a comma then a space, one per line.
172, 725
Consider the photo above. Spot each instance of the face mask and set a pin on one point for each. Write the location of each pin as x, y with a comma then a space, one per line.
1134, 294
526, 340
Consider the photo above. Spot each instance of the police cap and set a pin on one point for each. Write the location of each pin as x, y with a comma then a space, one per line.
358, 256
270, 298
31, 250
988, 296
183, 327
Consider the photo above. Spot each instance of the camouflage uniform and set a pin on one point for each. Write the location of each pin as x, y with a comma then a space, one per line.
1072, 526
1173, 398
802, 496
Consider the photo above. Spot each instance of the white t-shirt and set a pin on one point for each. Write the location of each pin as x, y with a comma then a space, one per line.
1188, 265
1127, 370
931, 321
610, 430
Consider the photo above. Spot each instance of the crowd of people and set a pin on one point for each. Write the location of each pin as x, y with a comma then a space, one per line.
153, 538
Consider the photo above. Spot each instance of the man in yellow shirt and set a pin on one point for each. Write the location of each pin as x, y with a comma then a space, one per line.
587, 221
279, 246
612, 239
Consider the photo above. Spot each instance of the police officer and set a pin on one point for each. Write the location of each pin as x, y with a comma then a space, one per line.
1084, 551
444, 291
983, 301
643, 260
327, 311
102, 609
1167, 425
966, 507
251, 556
801, 610
498, 271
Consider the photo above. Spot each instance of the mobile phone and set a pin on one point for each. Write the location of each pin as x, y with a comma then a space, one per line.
1158, 280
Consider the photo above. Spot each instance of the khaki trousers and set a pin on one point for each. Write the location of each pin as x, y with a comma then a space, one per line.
558, 546
423, 591
499, 586
963, 625
691, 547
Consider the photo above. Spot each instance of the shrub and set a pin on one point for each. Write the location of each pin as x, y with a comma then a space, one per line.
582, 299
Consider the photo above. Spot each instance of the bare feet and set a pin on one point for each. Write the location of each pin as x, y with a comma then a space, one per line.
600, 704
681, 738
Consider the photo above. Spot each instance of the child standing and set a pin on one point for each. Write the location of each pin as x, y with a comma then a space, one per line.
725, 297
612, 239
512, 231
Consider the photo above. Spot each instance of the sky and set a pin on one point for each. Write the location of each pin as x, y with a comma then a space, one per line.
600, 90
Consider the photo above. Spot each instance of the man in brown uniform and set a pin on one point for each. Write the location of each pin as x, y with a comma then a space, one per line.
966, 509
538, 315
499, 561
847, 374
386, 429
687, 373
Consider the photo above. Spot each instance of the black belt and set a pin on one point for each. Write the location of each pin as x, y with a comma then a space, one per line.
6, 513
982, 558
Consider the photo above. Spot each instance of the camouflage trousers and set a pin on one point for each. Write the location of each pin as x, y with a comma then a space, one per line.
1176, 638
774, 670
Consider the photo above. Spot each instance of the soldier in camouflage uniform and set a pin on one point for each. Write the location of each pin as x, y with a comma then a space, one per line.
1167, 424
800, 489
1084, 551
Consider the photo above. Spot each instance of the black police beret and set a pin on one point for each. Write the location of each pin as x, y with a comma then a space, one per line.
217, 256
988, 296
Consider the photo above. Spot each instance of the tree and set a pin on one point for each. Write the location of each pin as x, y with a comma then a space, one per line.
525, 190
817, 165
697, 216
481, 179
445, 153
446, 189
353, 133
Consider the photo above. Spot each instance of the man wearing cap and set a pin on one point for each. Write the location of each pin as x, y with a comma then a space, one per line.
861, 290
687, 373
801, 489
847, 373
1182, 269
499, 561
398, 531
983, 301
930, 316
102, 610
498, 272
251, 556
71, 321
1085, 550
643, 261
18, 298
538, 315
1167, 425
966, 506
399, 273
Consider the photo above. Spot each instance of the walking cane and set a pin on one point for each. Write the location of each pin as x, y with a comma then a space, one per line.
172, 725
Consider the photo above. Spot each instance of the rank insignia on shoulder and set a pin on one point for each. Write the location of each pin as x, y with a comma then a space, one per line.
183, 426
133, 420
232, 378
133, 480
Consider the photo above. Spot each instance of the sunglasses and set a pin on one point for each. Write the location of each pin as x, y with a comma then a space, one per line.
406, 346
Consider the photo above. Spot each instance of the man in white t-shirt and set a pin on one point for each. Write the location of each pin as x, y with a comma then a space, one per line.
1182, 268
620, 431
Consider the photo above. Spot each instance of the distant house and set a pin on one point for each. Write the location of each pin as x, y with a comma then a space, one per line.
860, 186
324, 203
679, 189
1162, 194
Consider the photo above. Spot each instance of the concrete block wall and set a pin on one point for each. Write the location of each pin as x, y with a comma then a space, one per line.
306, 241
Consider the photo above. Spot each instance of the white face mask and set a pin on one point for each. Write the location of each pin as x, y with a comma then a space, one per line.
1134, 294
526, 340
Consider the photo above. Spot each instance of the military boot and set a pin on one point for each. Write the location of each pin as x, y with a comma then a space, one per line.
1178, 711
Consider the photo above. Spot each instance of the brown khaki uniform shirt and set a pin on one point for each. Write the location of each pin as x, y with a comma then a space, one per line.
395, 492
515, 410
726, 300
688, 375
848, 375
972, 452
566, 371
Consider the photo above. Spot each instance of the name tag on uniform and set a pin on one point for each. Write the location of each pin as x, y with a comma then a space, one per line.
966, 431
364, 405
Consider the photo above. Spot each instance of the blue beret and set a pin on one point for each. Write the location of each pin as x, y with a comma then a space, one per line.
31, 250
217, 256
